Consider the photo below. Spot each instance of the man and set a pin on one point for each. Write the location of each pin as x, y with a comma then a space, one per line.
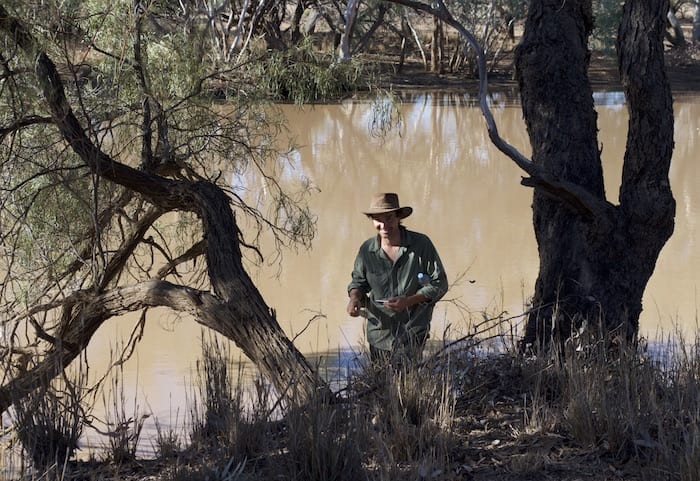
397, 278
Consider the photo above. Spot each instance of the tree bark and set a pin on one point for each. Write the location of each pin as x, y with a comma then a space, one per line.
262, 342
350, 16
436, 47
594, 268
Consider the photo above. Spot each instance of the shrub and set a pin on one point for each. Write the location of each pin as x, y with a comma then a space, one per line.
301, 75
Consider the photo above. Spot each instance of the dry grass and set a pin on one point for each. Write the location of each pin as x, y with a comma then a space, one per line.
589, 413
50, 424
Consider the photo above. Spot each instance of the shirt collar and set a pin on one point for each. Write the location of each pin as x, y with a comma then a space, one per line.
405, 240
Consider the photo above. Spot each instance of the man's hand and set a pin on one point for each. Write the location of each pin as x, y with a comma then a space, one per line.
399, 303
355, 303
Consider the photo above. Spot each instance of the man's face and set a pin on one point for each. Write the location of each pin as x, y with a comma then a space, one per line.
387, 225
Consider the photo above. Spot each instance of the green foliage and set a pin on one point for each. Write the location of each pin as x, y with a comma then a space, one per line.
47, 204
51, 201
301, 75
492, 23
607, 15
386, 115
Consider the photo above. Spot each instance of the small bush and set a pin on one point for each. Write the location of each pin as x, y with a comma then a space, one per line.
322, 445
411, 414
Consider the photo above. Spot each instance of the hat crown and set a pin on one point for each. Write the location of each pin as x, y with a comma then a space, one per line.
387, 202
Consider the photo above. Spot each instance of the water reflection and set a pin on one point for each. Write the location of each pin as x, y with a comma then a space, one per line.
609, 99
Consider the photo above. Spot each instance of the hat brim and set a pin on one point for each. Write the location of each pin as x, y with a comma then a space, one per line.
401, 212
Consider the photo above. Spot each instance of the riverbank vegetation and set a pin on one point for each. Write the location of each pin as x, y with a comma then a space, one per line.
592, 412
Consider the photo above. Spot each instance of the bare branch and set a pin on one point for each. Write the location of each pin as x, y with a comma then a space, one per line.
197, 250
21, 123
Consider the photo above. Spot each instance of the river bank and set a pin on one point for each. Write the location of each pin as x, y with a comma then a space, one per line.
682, 66
464, 414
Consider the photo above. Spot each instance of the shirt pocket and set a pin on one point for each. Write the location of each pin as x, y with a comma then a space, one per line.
379, 282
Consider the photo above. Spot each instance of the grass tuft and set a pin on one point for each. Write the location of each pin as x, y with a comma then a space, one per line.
49, 423
124, 426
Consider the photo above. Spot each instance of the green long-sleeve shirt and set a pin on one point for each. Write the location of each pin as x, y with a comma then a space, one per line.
375, 274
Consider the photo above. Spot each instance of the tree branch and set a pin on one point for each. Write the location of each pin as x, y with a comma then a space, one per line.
579, 199
645, 192
197, 250
21, 123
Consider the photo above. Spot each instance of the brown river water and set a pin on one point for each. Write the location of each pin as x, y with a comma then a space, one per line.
466, 196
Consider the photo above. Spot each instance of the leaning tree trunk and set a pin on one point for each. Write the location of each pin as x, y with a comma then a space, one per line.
594, 266
235, 308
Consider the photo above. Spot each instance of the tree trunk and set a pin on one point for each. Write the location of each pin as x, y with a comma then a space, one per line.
676, 38
696, 22
364, 41
594, 267
436, 47
295, 24
349, 19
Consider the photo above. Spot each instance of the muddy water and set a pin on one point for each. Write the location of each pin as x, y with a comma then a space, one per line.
466, 196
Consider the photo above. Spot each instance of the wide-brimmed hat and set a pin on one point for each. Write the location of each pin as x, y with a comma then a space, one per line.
387, 202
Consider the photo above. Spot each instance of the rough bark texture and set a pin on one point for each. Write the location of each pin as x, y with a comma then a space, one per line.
235, 308
594, 266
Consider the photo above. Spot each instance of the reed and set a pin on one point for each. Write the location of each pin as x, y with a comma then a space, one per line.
168, 442
627, 403
323, 443
230, 413
124, 420
49, 424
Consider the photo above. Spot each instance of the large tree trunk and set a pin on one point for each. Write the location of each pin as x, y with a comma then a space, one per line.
595, 258
594, 267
